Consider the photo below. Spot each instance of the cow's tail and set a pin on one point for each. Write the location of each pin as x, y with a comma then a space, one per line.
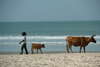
66, 44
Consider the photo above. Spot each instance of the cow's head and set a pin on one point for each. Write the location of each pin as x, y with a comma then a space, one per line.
43, 45
92, 39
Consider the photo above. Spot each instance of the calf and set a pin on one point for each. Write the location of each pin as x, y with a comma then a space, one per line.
37, 46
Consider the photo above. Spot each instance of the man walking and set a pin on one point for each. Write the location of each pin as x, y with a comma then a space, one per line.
24, 43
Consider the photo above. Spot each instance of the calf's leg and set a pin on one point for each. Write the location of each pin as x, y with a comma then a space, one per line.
41, 51
71, 49
32, 51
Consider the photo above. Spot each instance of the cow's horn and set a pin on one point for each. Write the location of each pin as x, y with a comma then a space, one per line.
93, 35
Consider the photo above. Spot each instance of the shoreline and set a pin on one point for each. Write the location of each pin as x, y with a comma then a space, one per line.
49, 52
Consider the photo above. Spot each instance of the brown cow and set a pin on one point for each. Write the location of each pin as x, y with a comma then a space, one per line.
37, 46
78, 41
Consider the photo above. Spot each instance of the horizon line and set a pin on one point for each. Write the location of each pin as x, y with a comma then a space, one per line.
51, 21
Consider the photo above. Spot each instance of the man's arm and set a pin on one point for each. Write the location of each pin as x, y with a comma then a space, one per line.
21, 42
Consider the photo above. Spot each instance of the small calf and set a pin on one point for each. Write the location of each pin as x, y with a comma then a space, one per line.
37, 46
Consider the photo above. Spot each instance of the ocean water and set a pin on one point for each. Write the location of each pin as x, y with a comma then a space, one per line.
51, 33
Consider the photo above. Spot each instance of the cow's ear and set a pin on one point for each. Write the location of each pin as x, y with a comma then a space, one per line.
93, 35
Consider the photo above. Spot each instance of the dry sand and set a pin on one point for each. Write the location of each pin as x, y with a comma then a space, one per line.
51, 60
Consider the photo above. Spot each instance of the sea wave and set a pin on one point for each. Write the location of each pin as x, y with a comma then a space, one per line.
33, 42
33, 37
38, 37
47, 43
49, 40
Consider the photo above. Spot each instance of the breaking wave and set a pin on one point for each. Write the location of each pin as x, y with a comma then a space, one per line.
38, 37
49, 40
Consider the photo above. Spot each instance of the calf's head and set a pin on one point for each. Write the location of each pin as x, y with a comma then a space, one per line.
43, 46
92, 39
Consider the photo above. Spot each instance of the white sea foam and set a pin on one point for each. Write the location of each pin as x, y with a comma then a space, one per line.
47, 43
38, 37
33, 37
33, 42
46, 37
48, 40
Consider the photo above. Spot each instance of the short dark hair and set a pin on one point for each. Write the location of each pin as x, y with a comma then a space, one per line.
24, 33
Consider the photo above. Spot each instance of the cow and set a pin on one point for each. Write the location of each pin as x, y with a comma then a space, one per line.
78, 41
37, 46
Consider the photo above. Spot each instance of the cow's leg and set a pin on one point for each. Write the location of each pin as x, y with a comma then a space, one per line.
37, 51
84, 49
32, 51
80, 48
41, 51
71, 49
67, 47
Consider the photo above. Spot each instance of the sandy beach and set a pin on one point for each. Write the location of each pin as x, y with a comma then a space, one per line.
51, 60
